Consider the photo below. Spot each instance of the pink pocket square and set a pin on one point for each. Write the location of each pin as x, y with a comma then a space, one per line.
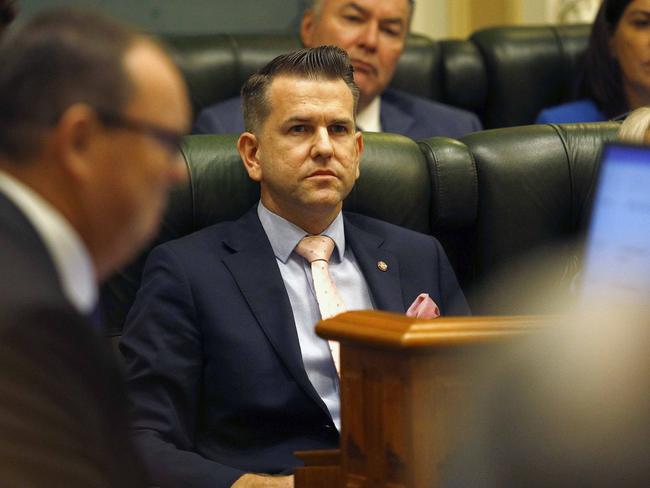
423, 308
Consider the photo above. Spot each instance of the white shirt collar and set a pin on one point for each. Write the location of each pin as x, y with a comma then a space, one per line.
369, 119
70, 256
284, 235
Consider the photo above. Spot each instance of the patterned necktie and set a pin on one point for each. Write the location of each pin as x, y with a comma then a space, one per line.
317, 251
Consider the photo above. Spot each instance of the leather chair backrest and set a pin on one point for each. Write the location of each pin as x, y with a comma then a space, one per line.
394, 186
534, 187
216, 65
528, 68
506, 75
490, 198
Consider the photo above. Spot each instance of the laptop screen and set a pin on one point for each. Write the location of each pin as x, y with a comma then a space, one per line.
617, 258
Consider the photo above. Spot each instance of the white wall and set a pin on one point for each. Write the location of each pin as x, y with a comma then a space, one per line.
548, 11
430, 18
537, 11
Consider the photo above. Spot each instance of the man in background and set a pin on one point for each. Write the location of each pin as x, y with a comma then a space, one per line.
374, 34
227, 374
91, 113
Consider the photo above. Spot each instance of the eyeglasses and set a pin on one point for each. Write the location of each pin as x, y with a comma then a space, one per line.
169, 139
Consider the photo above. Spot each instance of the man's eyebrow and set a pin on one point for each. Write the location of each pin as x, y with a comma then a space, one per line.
297, 118
342, 121
363, 11
356, 7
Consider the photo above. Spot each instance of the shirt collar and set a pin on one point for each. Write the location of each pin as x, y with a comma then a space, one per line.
284, 235
70, 256
369, 119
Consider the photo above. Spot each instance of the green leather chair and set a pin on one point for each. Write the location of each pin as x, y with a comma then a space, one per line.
490, 198
528, 68
394, 186
533, 189
217, 65
506, 75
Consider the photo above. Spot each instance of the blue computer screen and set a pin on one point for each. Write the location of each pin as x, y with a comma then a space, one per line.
617, 259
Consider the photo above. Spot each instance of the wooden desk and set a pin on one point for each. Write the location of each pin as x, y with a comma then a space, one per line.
403, 386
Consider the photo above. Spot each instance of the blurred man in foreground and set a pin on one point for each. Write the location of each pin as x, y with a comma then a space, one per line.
566, 407
227, 374
373, 32
91, 113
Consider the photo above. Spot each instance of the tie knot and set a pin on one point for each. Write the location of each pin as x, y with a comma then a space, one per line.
314, 248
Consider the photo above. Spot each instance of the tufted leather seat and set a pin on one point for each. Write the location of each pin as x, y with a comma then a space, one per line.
528, 68
533, 187
506, 75
490, 198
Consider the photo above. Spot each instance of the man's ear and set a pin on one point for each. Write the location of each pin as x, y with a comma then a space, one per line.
359, 147
307, 27
74, 138
248, 148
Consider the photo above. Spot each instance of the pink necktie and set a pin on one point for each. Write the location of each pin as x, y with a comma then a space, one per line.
317, 251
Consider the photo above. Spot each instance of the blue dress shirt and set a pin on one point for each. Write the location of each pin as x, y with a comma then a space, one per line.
296, 274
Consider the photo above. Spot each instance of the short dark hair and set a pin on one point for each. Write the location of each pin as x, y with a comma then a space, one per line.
602, 80
318, 63
59, 58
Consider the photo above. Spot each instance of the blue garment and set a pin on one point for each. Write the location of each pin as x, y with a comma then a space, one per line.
213, 359
579, 111
284, 236
401, 113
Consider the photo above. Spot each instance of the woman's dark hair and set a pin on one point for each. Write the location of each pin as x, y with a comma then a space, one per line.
601, 77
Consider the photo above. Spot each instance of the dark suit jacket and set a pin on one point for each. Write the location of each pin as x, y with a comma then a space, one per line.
63, 420
213, 359
401, 113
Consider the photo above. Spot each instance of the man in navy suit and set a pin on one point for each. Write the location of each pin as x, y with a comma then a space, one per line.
226, 372
374, 34
88, 110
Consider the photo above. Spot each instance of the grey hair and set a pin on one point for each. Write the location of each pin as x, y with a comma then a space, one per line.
317, 5
635, 126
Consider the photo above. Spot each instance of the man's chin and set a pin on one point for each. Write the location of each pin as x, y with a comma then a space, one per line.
325, 201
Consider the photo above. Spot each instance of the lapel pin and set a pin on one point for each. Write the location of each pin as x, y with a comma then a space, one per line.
382, 266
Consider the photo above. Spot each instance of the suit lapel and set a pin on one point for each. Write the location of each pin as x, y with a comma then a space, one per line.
393, 118
385, 284
14, 223
253, 266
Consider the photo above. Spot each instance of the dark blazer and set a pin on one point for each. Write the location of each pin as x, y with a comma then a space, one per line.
212, 353
401, 113
63, 420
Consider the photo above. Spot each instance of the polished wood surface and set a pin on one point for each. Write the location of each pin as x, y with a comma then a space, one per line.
322, 468
403, 389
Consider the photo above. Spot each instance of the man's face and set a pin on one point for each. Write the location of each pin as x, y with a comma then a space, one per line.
136, 168
306, 153
373, 33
